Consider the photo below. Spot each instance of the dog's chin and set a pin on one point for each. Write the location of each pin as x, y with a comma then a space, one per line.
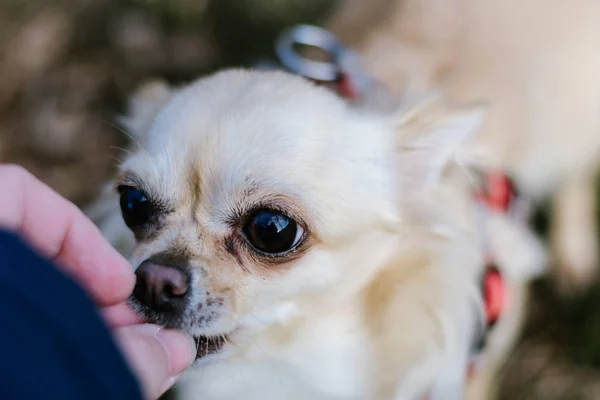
209, 345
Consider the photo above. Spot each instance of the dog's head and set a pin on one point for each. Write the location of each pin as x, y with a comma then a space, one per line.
253, 194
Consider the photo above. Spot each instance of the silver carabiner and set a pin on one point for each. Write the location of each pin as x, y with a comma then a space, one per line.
310, 36
344, 65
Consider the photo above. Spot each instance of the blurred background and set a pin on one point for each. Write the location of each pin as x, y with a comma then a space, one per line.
67, 66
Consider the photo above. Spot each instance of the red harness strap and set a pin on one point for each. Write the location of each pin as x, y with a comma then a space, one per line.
346, 87
494, 295
343, 85
499, 192
498, 196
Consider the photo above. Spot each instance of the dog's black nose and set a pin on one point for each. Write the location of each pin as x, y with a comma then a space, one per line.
161, 288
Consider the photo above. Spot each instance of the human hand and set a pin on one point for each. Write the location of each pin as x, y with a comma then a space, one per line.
58, 230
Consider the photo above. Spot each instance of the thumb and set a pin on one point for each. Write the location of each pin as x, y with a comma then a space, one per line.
156, 356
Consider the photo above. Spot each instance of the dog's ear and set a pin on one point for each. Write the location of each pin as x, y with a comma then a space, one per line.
143, 106
431, 135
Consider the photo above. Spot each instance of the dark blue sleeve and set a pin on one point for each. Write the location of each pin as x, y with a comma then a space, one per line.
53, 344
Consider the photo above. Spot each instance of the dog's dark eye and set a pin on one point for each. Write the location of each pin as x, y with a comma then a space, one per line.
135, 206
272, 232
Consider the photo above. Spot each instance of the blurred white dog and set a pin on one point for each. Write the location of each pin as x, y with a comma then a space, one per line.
536, 64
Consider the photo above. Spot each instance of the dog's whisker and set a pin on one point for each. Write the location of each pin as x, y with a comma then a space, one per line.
127, 134
124, 150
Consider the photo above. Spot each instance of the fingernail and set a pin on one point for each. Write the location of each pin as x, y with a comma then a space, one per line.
169, 383
181, 349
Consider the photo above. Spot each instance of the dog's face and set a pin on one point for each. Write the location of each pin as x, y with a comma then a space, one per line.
254, 194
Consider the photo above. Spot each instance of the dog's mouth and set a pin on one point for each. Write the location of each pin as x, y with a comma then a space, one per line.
207, 345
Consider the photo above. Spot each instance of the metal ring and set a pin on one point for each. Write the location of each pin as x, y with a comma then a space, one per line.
311, 36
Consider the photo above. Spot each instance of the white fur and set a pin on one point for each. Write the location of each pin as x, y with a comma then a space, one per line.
384, 304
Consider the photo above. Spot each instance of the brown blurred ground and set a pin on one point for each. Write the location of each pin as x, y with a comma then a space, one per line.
67, 66
66, 69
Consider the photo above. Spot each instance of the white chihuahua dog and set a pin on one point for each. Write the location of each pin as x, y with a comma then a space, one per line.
316, 250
